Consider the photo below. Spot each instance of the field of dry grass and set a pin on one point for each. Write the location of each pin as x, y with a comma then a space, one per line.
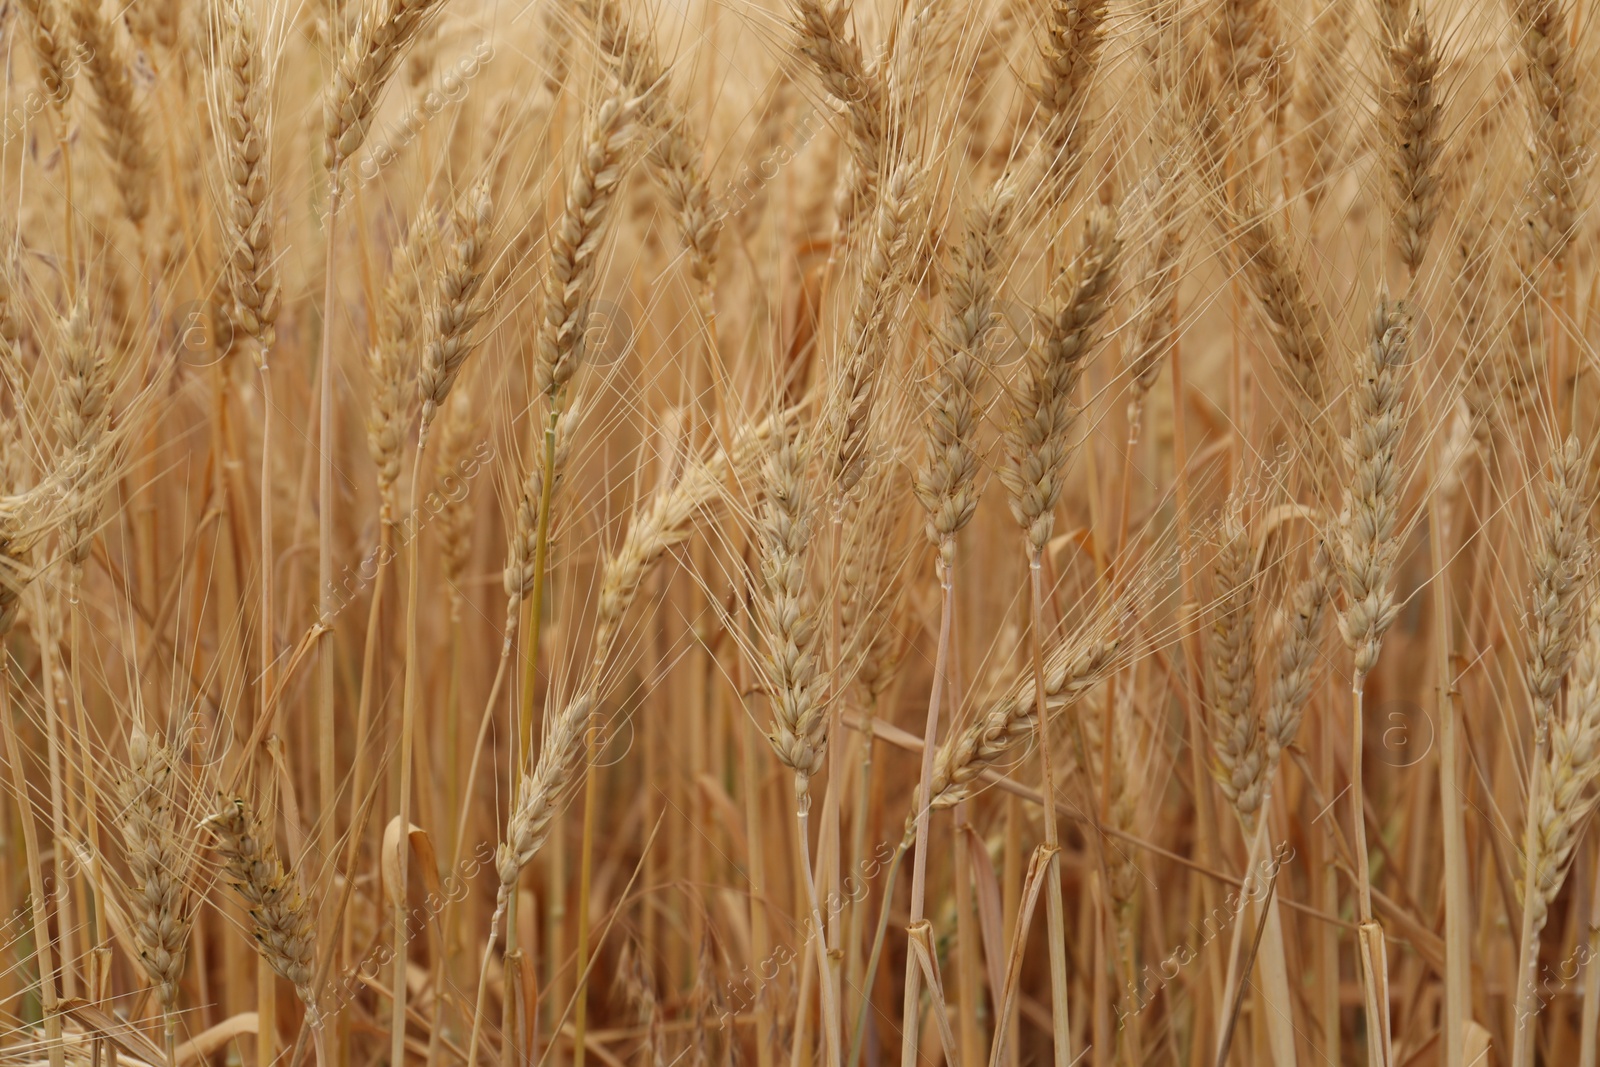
799, 533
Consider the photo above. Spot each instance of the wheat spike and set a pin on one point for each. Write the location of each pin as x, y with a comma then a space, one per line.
385, 31
51, 49
122, 120
83, 422
1038, 438
576, 242
1560, 563
158, 864
1236, 730
251, 275
1369, 521
284, 926
1413, 115
946, 483
457, 306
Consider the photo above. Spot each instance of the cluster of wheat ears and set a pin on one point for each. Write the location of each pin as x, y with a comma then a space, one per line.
625, 532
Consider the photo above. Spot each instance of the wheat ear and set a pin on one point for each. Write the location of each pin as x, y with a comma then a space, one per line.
1298, 654
1412, 115
1318, 99
1367, 547
1560, 562
577, 241
1369, 521
1560, 800
457, 307
83, 421
1564, 760
946, 483
158, 867
391, 361
1236, 730
1550, 81
853, 386
1074, 36
1073, 667
250, 274
282, 921
542, 790
384, 32
122, 121
50, 41
673, 156
823, 39
1039, 436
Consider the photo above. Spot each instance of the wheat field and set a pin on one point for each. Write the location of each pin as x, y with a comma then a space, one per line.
799, 533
